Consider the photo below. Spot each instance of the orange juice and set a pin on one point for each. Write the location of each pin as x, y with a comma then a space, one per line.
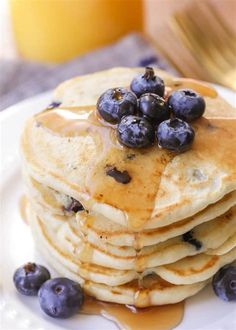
57, 30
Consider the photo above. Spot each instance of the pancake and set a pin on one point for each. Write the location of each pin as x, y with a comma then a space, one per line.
97, 228
156, 239
54, 201
88, 271
195, 269
85, 90
204, 237
74, 92
59, 152
210, 175
158, 292
155, 290
226, 247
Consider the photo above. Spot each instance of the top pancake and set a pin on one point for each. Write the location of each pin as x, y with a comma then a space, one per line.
69, 149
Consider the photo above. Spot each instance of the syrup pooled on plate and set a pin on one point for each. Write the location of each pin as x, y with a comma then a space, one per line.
128, 317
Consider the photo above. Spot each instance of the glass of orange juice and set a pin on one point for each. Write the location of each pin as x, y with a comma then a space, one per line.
57, 30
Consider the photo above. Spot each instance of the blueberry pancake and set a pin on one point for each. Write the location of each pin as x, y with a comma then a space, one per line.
131, 184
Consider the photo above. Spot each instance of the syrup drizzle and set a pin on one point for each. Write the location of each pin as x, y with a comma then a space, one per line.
138, 196
128, 317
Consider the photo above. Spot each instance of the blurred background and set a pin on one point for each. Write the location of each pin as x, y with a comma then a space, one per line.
44, 42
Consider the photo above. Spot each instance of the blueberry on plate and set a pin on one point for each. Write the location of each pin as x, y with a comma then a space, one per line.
154, 108
147, 83
135, 132
29, 278
175, 135
224, 283
115, 103
186, 104
60, 297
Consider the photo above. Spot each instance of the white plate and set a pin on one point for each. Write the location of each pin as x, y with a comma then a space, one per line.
203, 311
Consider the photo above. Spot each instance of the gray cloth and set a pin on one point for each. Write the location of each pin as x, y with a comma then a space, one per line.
22, 79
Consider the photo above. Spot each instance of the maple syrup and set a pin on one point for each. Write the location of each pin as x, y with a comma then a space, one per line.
146, 166
128, 317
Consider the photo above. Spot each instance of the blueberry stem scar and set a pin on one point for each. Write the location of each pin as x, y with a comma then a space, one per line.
117, 95
149, 73
29, 267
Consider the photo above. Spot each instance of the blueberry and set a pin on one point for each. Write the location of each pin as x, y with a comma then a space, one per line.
73, 205
147, 83
116, 103
224, 283
53, 105
154, 107
135, 132
60, 297
187, 104
175, 135
189, 238
29, 278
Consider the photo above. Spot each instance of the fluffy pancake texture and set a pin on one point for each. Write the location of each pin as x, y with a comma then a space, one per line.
76, 167
155, 292
209, 236
156, 240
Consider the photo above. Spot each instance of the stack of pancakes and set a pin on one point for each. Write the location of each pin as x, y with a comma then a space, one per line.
154, 239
